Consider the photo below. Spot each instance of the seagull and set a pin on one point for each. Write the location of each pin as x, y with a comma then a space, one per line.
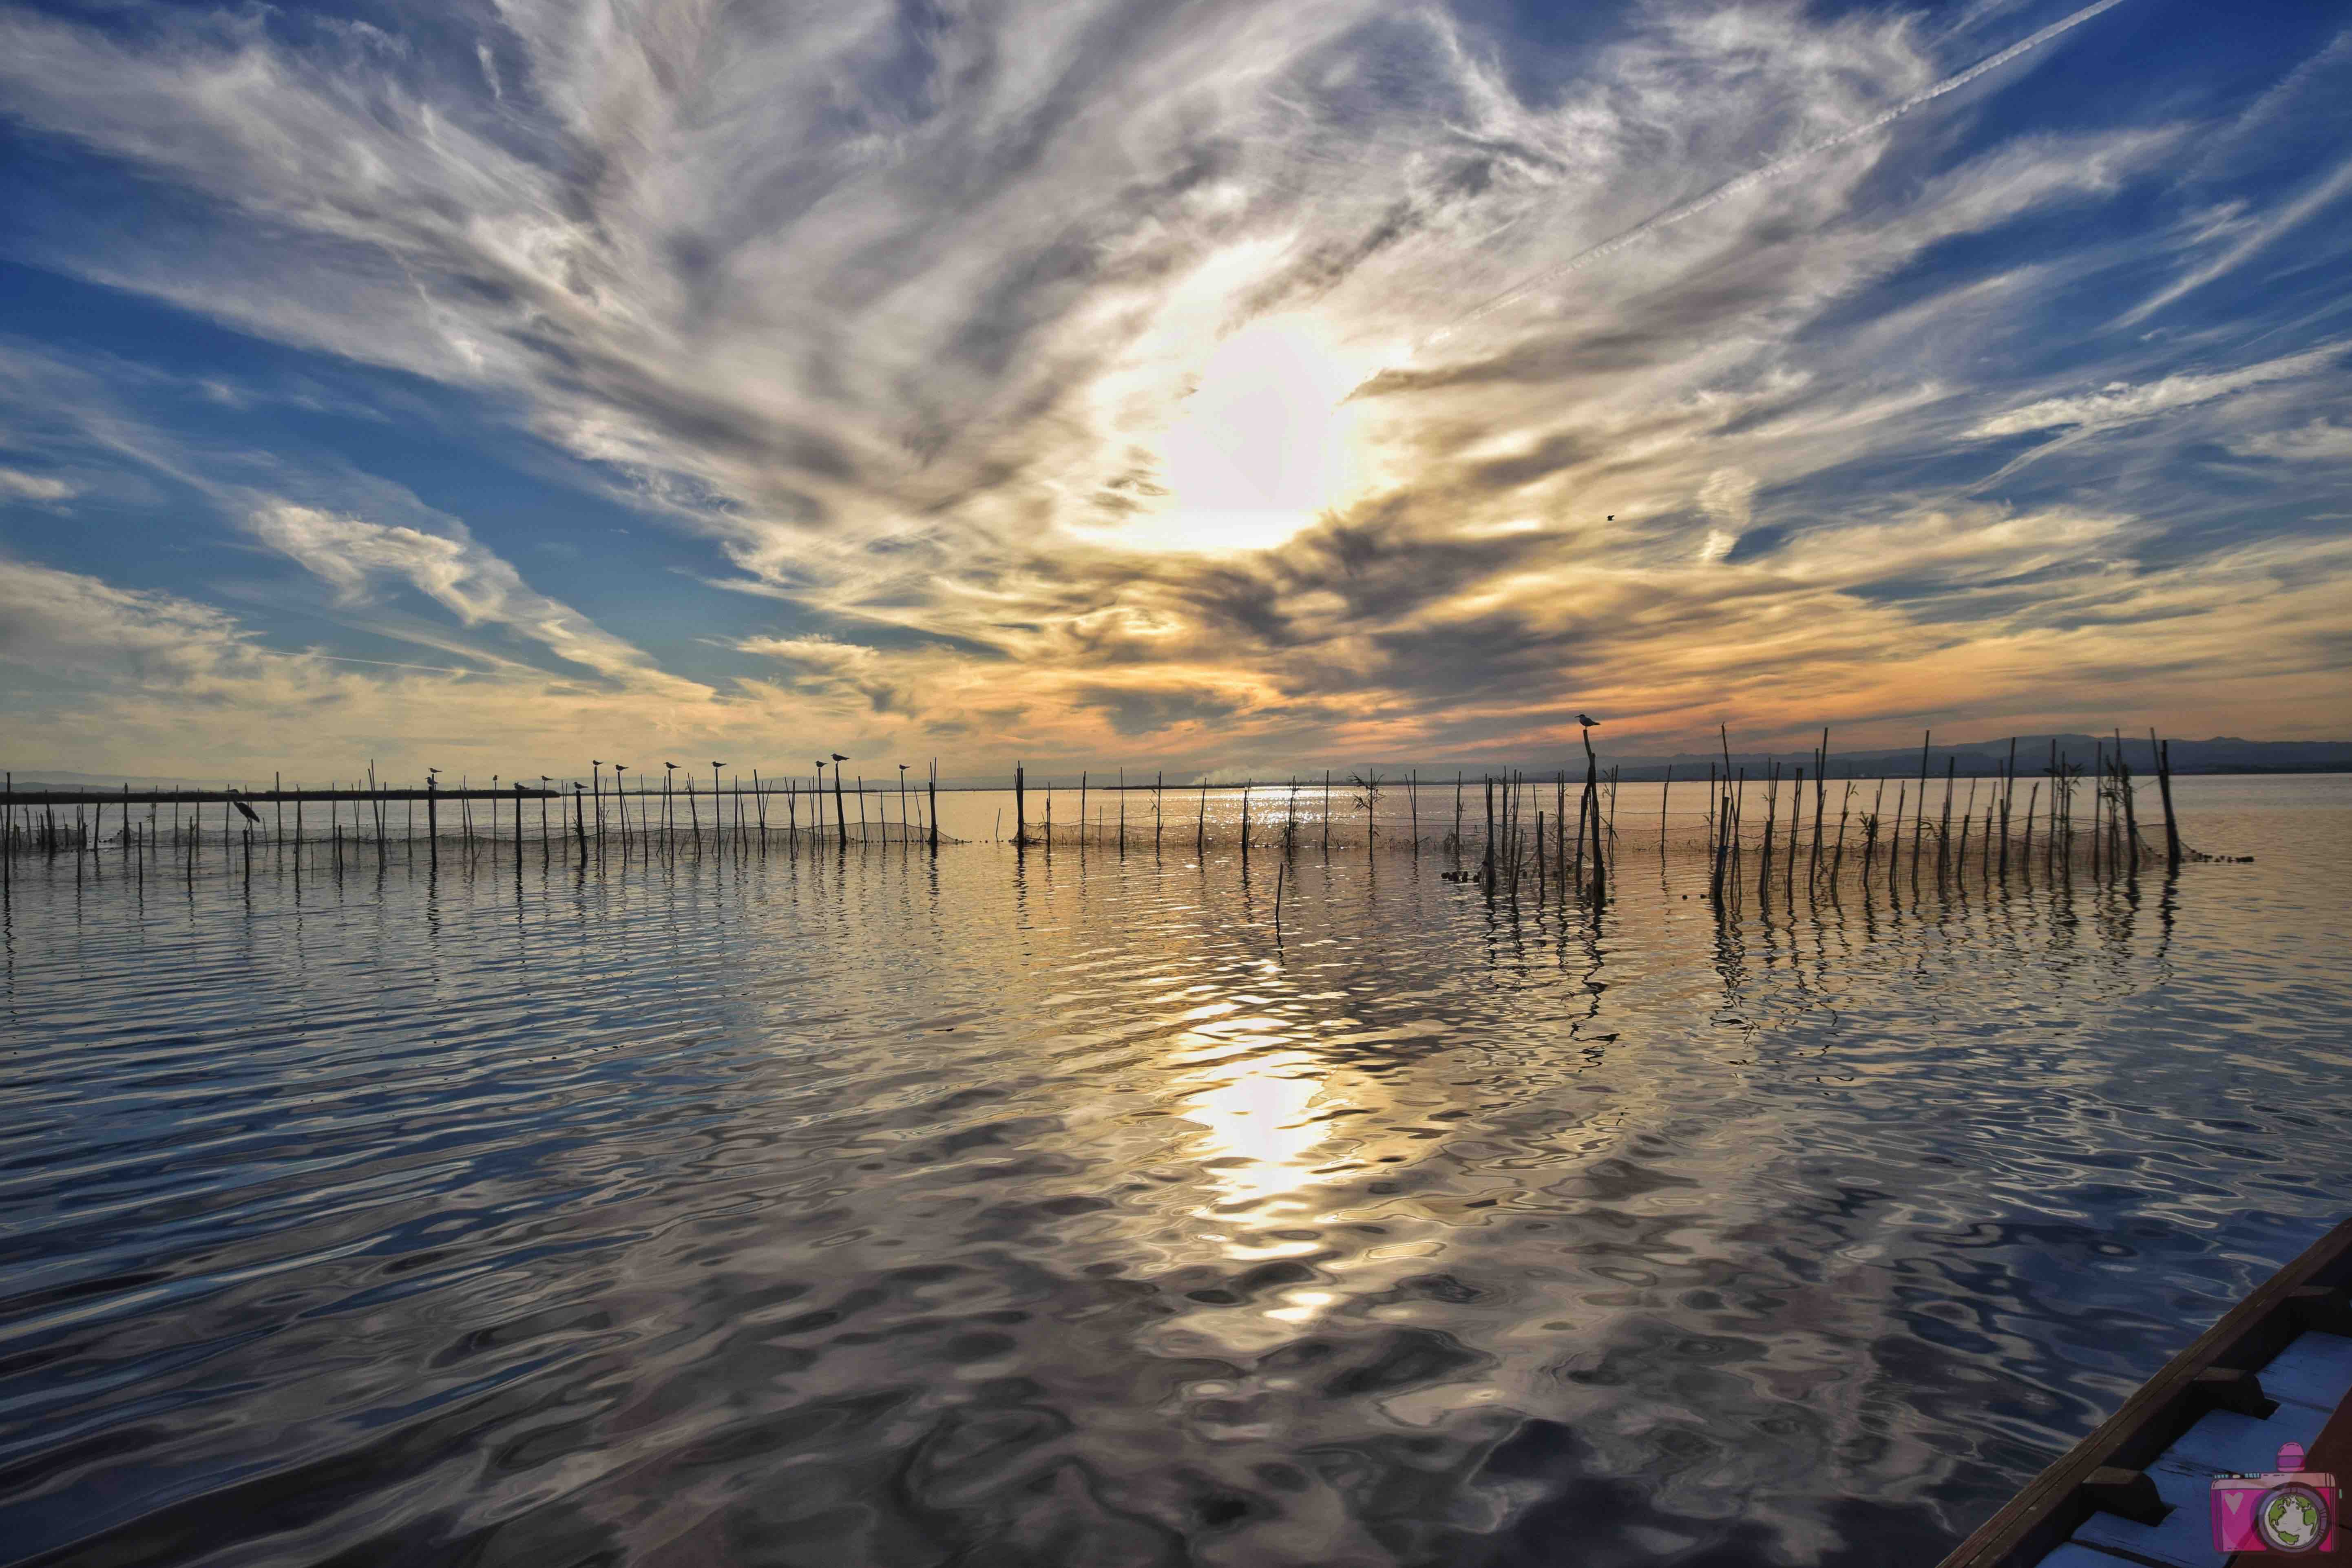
245, 811
1588, 721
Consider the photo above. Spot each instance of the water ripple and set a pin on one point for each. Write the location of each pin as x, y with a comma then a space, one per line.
854, 1209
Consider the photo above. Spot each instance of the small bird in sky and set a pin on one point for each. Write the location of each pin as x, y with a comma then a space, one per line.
1612, 516
1588, 721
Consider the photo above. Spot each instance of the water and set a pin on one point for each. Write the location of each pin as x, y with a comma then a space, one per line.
837, 1209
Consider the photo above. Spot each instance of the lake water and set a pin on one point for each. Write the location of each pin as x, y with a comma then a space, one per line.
1000, 1209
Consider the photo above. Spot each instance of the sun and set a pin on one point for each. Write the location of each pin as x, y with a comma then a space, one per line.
1260, 446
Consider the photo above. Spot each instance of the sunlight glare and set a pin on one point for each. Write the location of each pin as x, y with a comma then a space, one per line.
1260, 446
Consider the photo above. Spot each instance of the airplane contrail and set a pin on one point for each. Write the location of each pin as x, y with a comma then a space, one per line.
1780, 165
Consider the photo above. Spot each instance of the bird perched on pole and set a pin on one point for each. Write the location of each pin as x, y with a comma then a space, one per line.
244, 810
1588, 721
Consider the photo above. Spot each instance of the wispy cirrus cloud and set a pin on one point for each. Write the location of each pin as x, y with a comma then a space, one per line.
36, 487
2119, 402
450, 568
905, 323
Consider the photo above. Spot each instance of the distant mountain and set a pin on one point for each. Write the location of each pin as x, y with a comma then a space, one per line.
56, 778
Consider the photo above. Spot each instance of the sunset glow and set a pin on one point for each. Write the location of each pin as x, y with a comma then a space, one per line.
1240, 387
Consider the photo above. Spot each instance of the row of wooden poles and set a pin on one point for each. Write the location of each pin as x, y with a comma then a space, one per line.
1512, 851
1507, 850
2110, 839
600, 813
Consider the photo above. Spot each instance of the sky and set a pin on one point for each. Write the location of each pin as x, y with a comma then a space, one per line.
1213, 387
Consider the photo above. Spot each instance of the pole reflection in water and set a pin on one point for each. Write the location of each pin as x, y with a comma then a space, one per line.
856, 1204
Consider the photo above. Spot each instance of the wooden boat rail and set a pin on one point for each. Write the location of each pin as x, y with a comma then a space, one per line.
2217, 1371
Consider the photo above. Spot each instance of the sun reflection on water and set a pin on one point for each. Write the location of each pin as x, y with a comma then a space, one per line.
1262, 1105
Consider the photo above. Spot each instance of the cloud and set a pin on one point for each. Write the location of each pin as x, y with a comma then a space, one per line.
2317, 442
823, 666
2258, 237
58, 618
35, 487
905, 326
2121, 404
449, 568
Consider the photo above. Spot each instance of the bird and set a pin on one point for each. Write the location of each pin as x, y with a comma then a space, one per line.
1588, 721
244, 810
1612, 516
672, 766
839, 758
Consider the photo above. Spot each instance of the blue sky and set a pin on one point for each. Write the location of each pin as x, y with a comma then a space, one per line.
1205, 385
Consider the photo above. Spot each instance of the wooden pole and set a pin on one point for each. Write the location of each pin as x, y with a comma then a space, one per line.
2163, 749
1837, 856
2025, 847
1944, 831
1895, 848
1919, 820
1820, 787
1487, 860
1020, 805
2007, 797
934, 804
1796, 824
1592, 791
